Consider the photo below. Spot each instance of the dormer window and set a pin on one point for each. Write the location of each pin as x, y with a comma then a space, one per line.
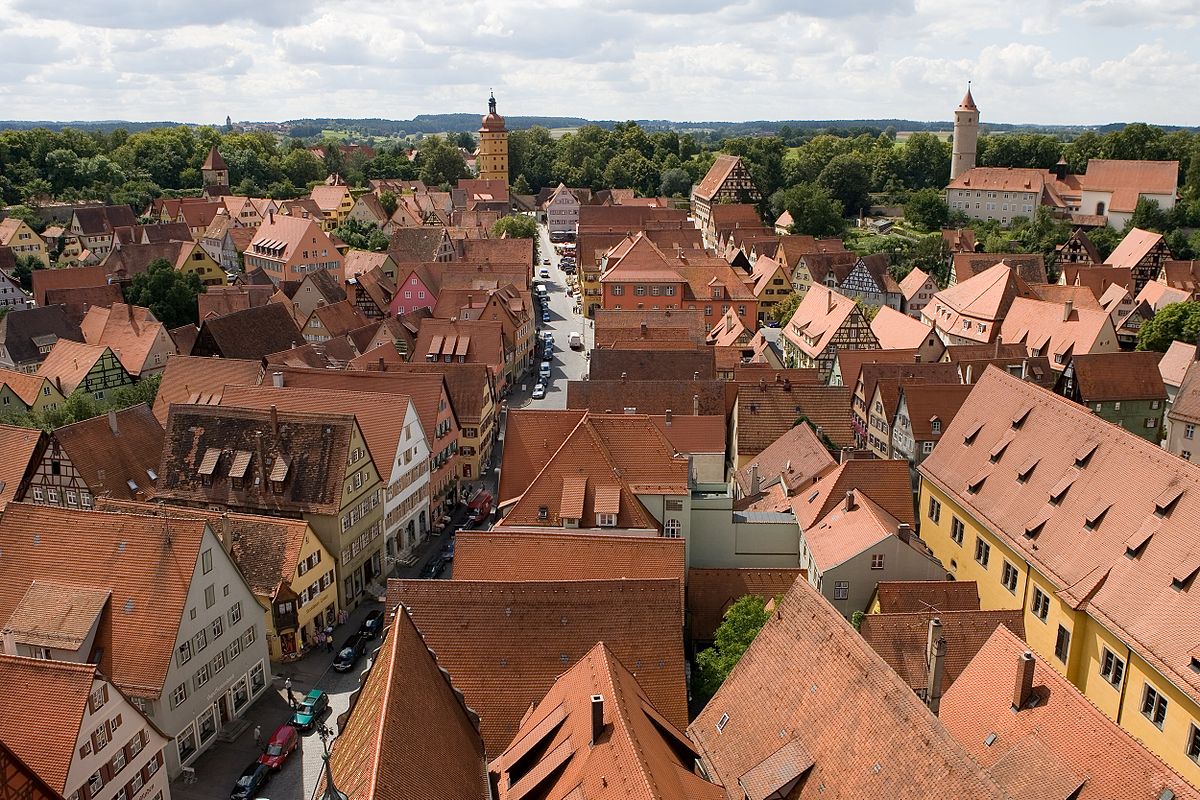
936, 426
606, 520
543, 512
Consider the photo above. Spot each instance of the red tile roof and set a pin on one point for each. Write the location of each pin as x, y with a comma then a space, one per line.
898, 597
1077, 751
637, 755
21, 781
797, 458
1119, 376
20, 446
837, 691
409, 733
1136, 245
137, 559
42, 707
505, 643
896, 331
886, 482
717, 174
767, 410
902, 640
194, 380
115, 453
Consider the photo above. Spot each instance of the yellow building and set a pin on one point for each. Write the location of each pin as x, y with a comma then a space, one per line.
16, 235
493, 146
1089, 530
22, 391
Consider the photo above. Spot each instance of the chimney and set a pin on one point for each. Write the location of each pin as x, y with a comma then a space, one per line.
778, 378
271, 215
645, 330
1024, 369
935, 665
668, 420
274, 422
277, 380
1067, 311
597, 717
695, 405
904, 532
755, 485
850, 500
829, 295
112, 423
847, 454
787, 384
967, 376
1023, 687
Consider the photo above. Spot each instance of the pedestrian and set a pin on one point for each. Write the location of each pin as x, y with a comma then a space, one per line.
292, 699
342, 617
329, 638
287, 685
320, 638
258, 735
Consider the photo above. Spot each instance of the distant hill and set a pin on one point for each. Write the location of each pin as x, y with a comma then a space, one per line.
455, 123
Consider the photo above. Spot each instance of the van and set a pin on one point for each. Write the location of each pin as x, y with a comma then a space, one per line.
575, 340
539, 289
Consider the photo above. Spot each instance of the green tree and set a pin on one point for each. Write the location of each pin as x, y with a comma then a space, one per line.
926, 160
675, 183
846, 178
23, 271
813, 211
782, 311
521, 186
744, 619
1174, 322
466, 141
1106, 240
518, 226
302, 167
388, 202
1147, 215
440, 163
170, 295
927, 210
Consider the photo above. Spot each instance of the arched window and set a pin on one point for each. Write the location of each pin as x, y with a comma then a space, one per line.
673, 529
1100, 209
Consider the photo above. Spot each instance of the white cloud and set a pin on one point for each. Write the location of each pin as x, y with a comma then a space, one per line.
603, 59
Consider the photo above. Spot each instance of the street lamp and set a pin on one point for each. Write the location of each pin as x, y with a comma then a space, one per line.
331, 791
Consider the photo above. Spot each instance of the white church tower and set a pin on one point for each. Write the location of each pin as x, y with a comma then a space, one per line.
966, 135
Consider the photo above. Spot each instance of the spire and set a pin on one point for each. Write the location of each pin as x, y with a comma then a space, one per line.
968, 102
214, 160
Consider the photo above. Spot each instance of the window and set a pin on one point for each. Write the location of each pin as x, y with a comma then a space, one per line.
206, 561
841, 590
210, 596
249, 636
606, 520
926, 448
218, 662
258, 678
1041, 604
1112, 668
1154, 706
1008, 577
935, 510
184, 654
100, 738
673, 529
200, 641
38, 494
877, 561
186, 742
1193, 745
983, 552
95, 783
217, 628
179, 695
956, 530
136, 744
618, 289
1062, 644
1151, 422
202, 675
235, 614
1189, 431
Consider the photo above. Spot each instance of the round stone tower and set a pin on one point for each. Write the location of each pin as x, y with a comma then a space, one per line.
966, 135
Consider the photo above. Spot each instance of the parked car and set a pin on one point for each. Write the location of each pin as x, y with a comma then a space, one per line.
251, 782
371, 626
350, 653
544, 370
282, 743
575, 340
546, 261
543, 273
311, 708
431, 570
539, 391
548, 338
545, 315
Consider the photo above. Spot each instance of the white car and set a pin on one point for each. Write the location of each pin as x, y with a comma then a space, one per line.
544, 372
543, 273
539, 391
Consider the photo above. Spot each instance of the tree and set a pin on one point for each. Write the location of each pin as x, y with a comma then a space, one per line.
23, 271
518, 226
846, 178
466, 141
302, 167
1175, 322
744, 619
439, 162
388, 202
521, 186
813, 211
1105, 239
1149, 216
927, 210
782, 311
170, 295
926, 161
675, 183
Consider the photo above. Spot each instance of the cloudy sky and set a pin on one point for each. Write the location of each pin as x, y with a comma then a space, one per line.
1041, 61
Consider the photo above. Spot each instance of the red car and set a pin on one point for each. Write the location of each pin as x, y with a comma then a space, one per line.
283, 741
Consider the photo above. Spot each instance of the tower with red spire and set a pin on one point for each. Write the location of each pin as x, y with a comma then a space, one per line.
966, 135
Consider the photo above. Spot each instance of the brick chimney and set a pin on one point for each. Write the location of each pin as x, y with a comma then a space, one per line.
935, 665
1023, 687
112, 423
645, 330
695, 405
904, 532
668, 418
850, 500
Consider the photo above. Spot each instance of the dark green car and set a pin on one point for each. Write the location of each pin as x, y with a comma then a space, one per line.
310, 710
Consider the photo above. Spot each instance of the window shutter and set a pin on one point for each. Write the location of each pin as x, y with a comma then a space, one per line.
116, 722
95, 743
106, 773
85, 751
104, 690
